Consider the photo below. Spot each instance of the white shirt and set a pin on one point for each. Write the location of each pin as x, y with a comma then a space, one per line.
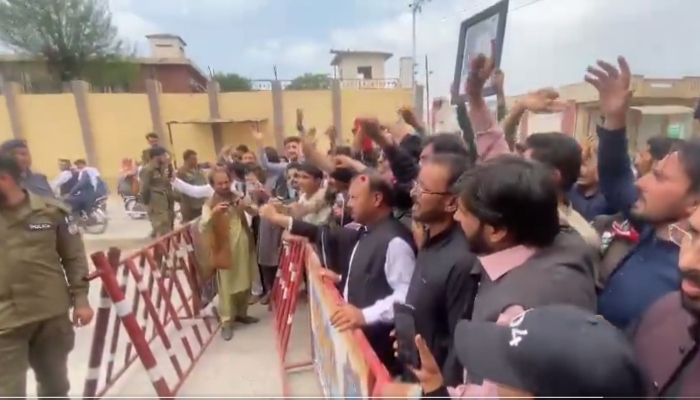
398, 268
62, 178
93, 174
201, 192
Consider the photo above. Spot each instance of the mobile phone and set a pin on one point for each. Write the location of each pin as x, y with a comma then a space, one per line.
405, 329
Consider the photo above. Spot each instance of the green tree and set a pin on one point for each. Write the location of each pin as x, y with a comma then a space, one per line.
310, 81
230, 82
75, 37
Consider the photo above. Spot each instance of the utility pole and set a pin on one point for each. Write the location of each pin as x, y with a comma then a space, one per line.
429, 111
416, 7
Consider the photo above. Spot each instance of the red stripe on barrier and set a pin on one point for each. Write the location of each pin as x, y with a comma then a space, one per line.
160, 275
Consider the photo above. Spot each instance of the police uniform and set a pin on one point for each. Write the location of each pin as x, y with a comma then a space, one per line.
42, 275
190, 207
157, 196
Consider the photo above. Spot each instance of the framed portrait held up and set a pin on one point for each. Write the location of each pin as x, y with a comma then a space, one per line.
482, 33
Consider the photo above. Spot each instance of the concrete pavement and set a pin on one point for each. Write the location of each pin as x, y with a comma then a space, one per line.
245, 366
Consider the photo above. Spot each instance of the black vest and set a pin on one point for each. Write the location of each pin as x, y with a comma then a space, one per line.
367, 281
70, 183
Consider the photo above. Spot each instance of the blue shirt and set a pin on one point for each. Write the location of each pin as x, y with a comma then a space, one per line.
589, 206
650, 270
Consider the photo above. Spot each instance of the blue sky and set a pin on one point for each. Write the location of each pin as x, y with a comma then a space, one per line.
548, 42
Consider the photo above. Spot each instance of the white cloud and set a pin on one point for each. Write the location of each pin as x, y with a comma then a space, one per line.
295, 54
205, 9
132, 26
548, 42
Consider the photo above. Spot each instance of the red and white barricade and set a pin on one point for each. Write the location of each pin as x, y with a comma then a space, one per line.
155, 297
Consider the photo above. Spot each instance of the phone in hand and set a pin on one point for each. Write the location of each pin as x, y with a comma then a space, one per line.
300, 120
405, 330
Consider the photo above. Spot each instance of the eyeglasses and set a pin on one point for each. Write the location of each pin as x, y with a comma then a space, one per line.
418, 188
678, 235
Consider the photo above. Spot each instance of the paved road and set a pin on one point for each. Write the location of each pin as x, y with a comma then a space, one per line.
247, 365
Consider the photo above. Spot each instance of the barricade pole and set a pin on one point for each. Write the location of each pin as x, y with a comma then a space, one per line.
144, 291
136, 334
296, 268
169, 307
277, 285
100, 335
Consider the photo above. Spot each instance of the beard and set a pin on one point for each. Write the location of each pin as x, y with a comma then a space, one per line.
692, 306
3, 197
478, 243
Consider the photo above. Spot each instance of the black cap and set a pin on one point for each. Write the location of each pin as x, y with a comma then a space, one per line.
156, 151
557, 350
13, 144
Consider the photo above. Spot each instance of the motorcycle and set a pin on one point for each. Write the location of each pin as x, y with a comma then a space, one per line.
95, 221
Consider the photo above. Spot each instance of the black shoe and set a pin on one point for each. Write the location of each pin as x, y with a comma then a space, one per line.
247, 320
227, 332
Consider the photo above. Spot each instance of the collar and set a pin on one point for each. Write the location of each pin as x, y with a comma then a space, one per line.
443, 236
500, 263
375, 224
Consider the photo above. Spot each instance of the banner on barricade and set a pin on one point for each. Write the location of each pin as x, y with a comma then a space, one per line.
341, 367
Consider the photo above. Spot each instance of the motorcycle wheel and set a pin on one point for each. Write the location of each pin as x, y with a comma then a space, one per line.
133, 209
96, 223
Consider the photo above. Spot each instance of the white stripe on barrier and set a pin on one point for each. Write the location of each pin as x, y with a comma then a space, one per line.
156, 274
172, 352
294, 276
189, 247
154, 374
278, 273
105, 302
111, 357
141, 286
284, 293
93, 374
123, 308
290, 318
181, 252
169, 262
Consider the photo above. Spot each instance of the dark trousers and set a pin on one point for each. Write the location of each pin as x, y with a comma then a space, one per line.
190, 214
81, 202
267, 275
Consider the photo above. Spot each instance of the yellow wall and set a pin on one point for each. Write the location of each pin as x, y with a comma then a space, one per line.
246, 106
120, 121
197, 137
52, 129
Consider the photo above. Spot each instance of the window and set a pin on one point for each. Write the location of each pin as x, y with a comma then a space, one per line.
364, 72
164, 45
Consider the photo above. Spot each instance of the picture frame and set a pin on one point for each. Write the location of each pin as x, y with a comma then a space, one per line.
491, 23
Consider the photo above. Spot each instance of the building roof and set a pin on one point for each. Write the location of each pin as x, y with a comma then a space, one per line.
166, 36
340, 54
12, 58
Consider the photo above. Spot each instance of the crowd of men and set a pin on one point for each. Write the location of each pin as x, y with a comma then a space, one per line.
535, 266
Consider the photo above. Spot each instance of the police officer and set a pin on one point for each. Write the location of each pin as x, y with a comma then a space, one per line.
34, 182
191, 173
152, 140
156, 191
42, 276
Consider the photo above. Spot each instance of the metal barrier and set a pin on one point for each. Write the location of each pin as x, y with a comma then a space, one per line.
283, 301
345, 364
151, 289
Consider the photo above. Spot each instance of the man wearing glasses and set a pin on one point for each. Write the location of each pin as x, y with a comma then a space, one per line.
666, 338
442, 286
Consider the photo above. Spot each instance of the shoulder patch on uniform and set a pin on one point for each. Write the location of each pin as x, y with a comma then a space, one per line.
58, 204
39, 226
72, 226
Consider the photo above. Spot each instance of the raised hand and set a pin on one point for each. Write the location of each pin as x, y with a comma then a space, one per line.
479, 73
544, 100
497, 80
613, 86
258, 136
332, 133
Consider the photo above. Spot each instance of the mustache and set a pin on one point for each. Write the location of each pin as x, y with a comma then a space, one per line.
692, 276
